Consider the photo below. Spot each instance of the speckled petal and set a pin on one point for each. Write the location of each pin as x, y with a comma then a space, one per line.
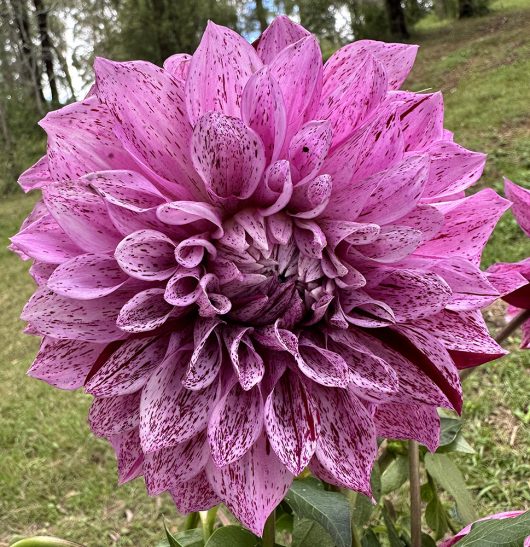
226, 61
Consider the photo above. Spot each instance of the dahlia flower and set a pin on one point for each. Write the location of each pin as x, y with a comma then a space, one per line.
465, 531
519, 299
258, 263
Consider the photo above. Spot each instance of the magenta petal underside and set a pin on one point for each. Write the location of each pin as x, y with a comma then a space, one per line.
258, 263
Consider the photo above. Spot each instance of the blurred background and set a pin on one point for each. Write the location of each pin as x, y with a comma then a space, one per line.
55, 478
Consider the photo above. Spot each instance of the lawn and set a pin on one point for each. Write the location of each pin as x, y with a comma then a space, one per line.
56, 478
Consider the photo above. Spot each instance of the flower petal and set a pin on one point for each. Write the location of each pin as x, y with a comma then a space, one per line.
347, 450
87, 276
226, 61
82, 215
145, 311
235, 424
253, 486
292, 422
86, 320
166, 468
128, 368
263, 110
81, 140
282, 32
409, 421
397, 60
147, 254
152, 94
114, 415
228, 155
64, 363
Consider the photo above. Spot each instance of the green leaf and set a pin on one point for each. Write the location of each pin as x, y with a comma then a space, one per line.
459, 444
330, 509
284, 523
449, 429
370, 539
510, 532
427, 541
436, 518
448, 476
187, 538
45, 541
308, 533
395, 475
393, 536
362, 506
233, 536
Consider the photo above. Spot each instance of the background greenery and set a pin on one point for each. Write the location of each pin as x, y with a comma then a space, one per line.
56, 478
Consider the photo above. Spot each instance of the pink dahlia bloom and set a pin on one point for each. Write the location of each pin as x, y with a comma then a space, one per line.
256, 262
519, 299
465, 531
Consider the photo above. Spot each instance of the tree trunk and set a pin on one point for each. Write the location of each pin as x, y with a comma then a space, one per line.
261, 15
46, 48
396, 19
466, 8
30, 69
64, 67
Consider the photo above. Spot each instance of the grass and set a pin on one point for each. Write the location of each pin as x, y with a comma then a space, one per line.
55, 478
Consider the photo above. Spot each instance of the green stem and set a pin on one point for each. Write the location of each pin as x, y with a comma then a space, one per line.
208, 522
415, 497
192, 520
269, 531
355, 541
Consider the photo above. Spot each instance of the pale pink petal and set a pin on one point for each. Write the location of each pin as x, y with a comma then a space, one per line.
45, 241
81, 140
166, 468
465, 335
298, 71
228, 155
64, 363
467, 227
292, 422
253, 486
398, 191
413, 294
263, 110
114, 415
351, 100
128, 368
178, 65
247, 362
453, 169
408, 421
218, 73
397, 60
206, 358
235, 424
36, 176
152, 94
521, 204
282, 32
82, 215
169, 413
129, 455
308, 149
194, 495
87, 276
346, 445
88, 320
147, 255
145, 311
